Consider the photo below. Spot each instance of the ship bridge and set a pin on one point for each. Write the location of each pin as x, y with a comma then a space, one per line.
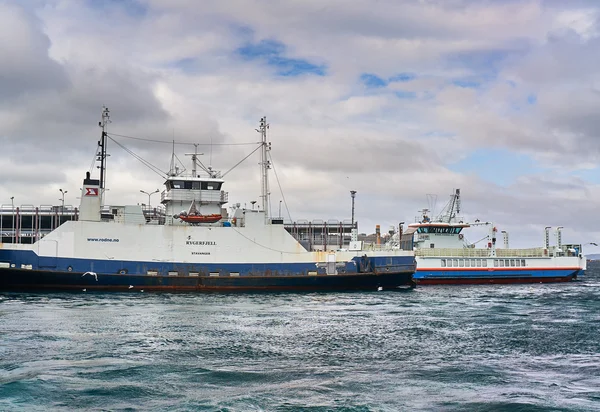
194, 199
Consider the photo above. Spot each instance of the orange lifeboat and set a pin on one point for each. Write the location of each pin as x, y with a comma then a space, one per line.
200, 218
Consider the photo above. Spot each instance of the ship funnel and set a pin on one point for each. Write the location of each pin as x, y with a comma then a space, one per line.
505, 237
378, 234
559, 237
89, 207
547, 237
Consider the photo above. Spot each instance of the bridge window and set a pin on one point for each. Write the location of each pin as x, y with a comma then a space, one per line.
211, 185
176, 184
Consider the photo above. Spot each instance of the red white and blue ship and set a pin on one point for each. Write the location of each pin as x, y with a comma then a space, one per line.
445, 256
199, 247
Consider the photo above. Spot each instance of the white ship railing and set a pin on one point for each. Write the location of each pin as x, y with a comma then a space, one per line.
210, 196
480, 253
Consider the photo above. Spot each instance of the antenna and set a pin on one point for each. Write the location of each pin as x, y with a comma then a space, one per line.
172, 168
195, 159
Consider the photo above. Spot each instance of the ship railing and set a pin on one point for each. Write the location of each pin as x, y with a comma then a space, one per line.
376, 247
532, 252
208, 196
480, 253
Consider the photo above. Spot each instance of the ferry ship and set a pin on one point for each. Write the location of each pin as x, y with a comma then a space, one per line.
445, 256
196, 246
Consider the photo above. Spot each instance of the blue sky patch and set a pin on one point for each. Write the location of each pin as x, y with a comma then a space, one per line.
532, 99
499, 166
133, 8
468, 84
589, 175
272, 52
372, 81
403, 94
403, 77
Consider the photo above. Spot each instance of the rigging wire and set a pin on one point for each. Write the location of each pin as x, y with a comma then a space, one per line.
238, 163
94, 159
180, 143
280, 189
139, 158
263, 246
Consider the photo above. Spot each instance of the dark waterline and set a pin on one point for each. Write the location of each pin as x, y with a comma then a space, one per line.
451, 348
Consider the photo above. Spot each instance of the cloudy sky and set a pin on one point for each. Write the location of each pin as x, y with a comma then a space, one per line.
395, 99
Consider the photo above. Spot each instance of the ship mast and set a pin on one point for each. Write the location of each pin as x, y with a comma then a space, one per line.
102, 155
265, 165
452, 209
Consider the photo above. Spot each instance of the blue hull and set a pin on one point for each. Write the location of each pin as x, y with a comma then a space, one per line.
446, 277
28, 272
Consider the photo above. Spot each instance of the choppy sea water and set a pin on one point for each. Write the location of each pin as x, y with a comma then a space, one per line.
449, 348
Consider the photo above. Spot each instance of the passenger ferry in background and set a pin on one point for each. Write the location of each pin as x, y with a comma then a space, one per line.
444, 255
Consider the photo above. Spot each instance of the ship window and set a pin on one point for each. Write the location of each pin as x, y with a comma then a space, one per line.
177, 184
507, 263
196, 185
211, 185
512, 262
443, 263
484, 263
474, 263
523, 262
518, 262
461, 263
187, 184
501, 263
455, 263
431, 245
467, 263
496, 263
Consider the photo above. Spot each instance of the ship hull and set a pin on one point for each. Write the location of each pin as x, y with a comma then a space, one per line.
46, 280
478, 277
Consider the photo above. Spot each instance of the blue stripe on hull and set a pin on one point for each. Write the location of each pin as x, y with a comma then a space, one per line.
430, 277
65, 273
356, 265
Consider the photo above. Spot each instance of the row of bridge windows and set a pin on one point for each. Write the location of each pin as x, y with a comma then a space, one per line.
482, 263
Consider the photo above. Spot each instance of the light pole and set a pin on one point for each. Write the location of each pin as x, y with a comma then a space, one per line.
149, 194
353, 195
63, 192
12, 202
